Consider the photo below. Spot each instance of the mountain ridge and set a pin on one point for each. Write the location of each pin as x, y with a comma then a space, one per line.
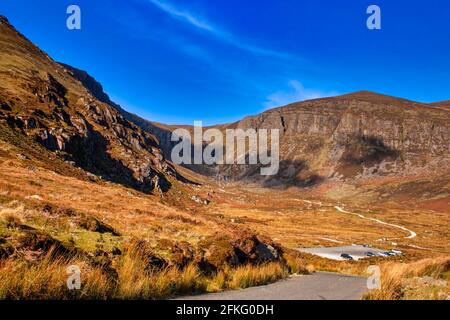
41, 99
356, 135
365, 100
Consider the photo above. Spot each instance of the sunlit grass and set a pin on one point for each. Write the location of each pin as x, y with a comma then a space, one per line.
406, 280
131, 278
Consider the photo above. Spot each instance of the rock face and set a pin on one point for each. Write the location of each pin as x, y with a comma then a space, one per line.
360, 135
161, 132
353, 136
219, 251
357, 135
66, 111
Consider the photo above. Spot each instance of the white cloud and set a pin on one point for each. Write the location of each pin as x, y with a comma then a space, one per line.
218, 33
182, 15
297, 92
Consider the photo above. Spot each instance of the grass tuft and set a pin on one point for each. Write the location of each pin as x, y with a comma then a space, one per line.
250, 276
421, 280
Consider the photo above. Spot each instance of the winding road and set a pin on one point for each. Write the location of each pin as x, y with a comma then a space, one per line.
412, 234
317, 286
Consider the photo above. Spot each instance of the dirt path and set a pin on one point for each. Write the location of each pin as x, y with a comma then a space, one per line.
318, 286
412, 234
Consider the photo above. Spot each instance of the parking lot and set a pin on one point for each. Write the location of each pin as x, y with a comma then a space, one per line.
356, 252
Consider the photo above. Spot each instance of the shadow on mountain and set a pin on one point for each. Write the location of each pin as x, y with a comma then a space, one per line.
364, 152
163, 136
293, 174
91, 154
368, 150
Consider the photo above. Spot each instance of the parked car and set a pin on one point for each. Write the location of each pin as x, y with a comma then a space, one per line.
382, 254
346, 256
369, 254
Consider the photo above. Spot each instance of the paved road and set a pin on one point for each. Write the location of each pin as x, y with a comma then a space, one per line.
318, 286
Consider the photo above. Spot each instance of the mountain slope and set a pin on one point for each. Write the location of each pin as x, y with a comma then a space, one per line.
57, 133
345, 138
359, 135
442, 105
43, 100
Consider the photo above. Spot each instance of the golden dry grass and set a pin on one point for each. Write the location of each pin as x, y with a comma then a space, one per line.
294, 221
249, 276
296, 263
46, 279
136, 281
287, 219
218, 282
420, 280
133, 215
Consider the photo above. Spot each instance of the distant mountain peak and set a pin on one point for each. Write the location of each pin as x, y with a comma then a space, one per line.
380, 99
365, 94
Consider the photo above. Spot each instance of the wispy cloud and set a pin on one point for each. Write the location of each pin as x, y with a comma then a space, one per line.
219, 33
297, 92
182, 15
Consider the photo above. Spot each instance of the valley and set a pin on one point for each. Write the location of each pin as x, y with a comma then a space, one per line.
86, 183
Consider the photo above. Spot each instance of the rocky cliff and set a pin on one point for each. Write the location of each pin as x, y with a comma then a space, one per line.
52, 104
359, 135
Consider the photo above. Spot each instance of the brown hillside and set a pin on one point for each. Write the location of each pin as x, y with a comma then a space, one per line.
42, 99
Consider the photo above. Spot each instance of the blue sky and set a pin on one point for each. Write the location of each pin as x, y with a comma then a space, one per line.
219, 60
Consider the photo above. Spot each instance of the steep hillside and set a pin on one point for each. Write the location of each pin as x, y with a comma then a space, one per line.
68, 160
355, 137
43, 100
442, 105
159, 130
346, 138
358, 135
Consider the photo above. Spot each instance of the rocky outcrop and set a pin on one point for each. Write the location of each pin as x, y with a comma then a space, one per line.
353, 136
66, 111
160, 132
219, 251
216, 252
